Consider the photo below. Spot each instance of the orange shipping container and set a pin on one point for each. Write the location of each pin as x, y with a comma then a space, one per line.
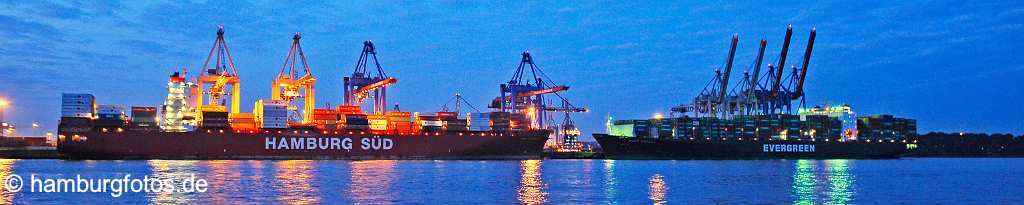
401, 126
243, 125
398, 114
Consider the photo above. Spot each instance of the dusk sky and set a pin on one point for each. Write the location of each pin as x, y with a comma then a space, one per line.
952, 65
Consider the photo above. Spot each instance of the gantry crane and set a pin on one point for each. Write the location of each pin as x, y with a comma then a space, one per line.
711, 101
568, 134
526, 96
289, 85
221, 75
362, 84
776, 98
771, 93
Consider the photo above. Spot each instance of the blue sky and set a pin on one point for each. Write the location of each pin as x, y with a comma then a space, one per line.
953, 65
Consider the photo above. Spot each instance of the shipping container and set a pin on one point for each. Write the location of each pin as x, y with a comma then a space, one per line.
447, 115
271, 113
144, 115
349, 109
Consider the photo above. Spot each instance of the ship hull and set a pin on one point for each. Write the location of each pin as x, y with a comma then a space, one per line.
616, 147
295, 144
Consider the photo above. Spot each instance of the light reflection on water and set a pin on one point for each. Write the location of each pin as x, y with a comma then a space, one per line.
6, 169
833, 185
840, 182
804, 182
982, 181
170, 169
224, 177
609, 179
531, 188
657, 189
371, 181
294, 182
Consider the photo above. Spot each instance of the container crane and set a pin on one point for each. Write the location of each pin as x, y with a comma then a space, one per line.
774, 98
526, 96
221, 75
751, 97
756, 94
777, 81
289, 85
568, 134
362, 84
711, 100
799, 93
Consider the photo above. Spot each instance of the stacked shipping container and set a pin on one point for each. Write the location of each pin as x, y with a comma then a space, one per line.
144, 118
763, 127
78, 105
886, 127
480, 121
271, 114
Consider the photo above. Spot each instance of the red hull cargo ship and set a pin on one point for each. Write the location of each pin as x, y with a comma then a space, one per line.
201, 119
305, 144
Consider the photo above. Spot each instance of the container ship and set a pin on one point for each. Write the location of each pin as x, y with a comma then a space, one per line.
754, 119
201, 119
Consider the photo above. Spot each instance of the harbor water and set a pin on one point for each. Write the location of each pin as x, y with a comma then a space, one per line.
904, 181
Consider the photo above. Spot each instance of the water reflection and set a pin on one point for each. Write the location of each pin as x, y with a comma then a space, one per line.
609, 180
804, 182
840, 182
294, 181
223, 179
657, 189
531, 188
175, 170
835, 182
372, 180
6, 169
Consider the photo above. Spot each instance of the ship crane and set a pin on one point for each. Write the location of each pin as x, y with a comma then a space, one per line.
362, 84
526, 95
221, 75
289, 85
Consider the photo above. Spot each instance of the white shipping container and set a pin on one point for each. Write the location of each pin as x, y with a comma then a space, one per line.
275, 113
77, 109
89, 115
74, 112
432, 123
71, 95
76, 103
111, 109
77, 98
266, 102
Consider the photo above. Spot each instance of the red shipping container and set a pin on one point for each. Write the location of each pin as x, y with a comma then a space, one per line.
349, 109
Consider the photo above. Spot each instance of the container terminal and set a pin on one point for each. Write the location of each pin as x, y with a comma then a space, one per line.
755, 119
201, 118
